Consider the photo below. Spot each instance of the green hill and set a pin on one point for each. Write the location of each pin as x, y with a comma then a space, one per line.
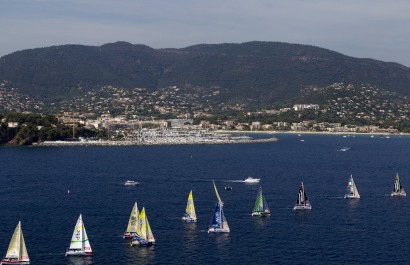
256, 73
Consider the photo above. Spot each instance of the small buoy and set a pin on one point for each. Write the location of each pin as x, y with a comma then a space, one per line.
68, 192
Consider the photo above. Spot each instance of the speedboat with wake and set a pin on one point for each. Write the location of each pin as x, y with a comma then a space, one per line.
251, 180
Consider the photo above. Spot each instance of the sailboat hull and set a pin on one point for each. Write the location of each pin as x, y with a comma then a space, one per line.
72, 252
128, 235
188, 219
142, 243
302, 207
352, 196
13, 261
261, 214
400, 193
218, 230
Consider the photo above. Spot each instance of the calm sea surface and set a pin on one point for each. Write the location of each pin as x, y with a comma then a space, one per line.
373, 230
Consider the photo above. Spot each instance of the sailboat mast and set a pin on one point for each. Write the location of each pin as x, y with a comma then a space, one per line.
217, 194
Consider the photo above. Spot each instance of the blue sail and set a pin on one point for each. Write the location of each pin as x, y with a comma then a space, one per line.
217, 220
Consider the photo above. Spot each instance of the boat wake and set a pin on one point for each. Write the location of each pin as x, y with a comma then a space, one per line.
238, 180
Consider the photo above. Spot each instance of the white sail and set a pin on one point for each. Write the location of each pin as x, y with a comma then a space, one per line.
351, 190
17, 251
398, 189
302, 202
13, 252
134, 220
23, 249
86, 243
77, 238
79, 245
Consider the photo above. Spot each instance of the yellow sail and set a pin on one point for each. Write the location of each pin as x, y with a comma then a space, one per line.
142, 231
23, 250
150, 235
133, 222
190, 207
13, 252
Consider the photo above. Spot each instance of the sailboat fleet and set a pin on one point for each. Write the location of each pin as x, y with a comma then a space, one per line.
139, 229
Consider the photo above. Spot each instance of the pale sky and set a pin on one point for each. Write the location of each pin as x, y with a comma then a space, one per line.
376, 29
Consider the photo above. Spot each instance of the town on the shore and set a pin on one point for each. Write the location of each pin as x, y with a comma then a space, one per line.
168, 117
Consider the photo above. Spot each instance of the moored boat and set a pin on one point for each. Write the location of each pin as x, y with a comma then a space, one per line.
17, 251
131, 183
351, 190
398, 189
190, 215
132, 227
302, 202
79, 245
261, 207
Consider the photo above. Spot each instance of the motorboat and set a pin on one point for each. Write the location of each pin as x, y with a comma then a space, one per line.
131, 183
251, 180
228, 188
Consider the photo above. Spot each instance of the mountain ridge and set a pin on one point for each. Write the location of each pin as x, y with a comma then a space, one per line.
255, 73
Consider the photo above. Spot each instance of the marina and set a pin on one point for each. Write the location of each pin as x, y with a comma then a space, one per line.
166, 137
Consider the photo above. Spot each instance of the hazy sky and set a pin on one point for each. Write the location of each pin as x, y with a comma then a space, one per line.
377, 29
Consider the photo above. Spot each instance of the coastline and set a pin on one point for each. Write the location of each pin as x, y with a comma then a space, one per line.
156, 143
308, 132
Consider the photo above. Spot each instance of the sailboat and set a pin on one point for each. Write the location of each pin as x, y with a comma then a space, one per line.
133, 222
17, 251
144, 236
351, 191
398, 189
190, 215
219, 223
302, 202
261, 206
79, 246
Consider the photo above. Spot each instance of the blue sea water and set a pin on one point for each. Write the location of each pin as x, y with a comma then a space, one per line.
373, 230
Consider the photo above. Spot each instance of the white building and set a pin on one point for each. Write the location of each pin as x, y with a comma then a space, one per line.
299, 107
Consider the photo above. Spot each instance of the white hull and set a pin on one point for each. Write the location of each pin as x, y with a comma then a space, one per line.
128, 235
131, 183
14, 262
251, 180
260, 214
142, 243
71, 252
402, 193
352, 196
189, 219
218, 230
302, 207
